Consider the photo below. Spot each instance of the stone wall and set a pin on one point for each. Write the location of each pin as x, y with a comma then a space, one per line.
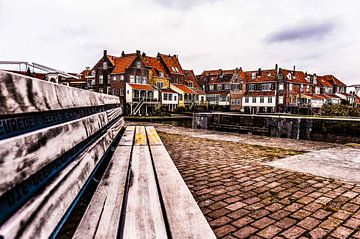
341, 130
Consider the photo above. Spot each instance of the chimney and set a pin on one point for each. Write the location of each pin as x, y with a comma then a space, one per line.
122, 53
144, 54
259, 72
137, 52
240, 68
294, 71
276, 68
105, 52
88, 68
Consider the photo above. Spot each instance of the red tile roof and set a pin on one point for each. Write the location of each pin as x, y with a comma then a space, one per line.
191, 78
323, 81
172, 63
142, 87
199, 92
333, 80
185, 89
166, 90
266, 76
123, 63
155, 65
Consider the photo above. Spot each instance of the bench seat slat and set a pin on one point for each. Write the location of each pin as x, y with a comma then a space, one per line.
184, 215
128, 136
24, 155
102, 217
22, 94
140, 136
153, 136
39, 216
144, 218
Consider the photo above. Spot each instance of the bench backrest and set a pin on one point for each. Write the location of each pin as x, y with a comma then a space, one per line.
52, 140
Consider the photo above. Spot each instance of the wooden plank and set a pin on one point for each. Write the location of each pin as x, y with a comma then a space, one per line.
22, 94
24, 155
102, 216
144, 218
128, 136
113, 113
153, 136
39, 216
184, 215
140, 136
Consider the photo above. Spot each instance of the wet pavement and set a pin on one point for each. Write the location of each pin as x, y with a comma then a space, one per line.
246, 189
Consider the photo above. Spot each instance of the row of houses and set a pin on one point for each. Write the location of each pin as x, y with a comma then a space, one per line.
145, 83
274, 90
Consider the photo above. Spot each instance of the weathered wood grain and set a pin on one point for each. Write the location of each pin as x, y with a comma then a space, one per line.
140, 136
144, 218
113, 113
184, 215
153, 136
23, 155
128, 136
39, 216
22, 94
102, 217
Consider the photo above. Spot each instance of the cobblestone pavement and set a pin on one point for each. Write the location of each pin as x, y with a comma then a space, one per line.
242, 197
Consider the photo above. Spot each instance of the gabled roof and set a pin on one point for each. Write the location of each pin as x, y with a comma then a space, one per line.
123, 63
322, 80
190, 77
155, 65
172, 64
299, 77
333, 80
265, 76
167, 90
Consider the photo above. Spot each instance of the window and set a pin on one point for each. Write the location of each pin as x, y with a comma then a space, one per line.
161, 74
105, 65
160, 85
132, 78
266, 87
269, 99
170, 96
113, 91
202, 98
219, 87
109, 80
136, 94
138, 64
92, 82
175, 98
290, 86
165, 96
101, 90
307, 88
254, 99
211, 87
246, 99
281, 86
101, 79
108, 89
232, 102
281, 99
121, 77
253, 75
180, 97
226, 86
238, 101
122, 92
294, 99
261, 99
138, 80
252, 87
113, 77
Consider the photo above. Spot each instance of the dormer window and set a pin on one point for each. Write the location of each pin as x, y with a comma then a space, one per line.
105, 65
253, 75
161, 74
138, 64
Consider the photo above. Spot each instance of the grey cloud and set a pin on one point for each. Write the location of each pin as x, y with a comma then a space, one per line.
303, 32
181, 4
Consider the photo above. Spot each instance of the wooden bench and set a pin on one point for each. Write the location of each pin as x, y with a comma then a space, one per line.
56, 139
150, 201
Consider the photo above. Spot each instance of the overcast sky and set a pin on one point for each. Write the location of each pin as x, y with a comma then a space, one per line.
318, 36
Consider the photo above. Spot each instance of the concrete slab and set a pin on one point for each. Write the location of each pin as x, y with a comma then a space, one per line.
337, 163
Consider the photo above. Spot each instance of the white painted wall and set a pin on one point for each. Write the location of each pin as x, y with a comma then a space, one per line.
317, 103
174, 101
129, 93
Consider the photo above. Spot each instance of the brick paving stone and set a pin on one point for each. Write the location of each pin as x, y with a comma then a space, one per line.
353, 223
309, 223
269, 231
241, 197
341, 232
235, 206
356, 235
285, 223
245, 232
224, 230
293, 232
242, 221
220, 221
318, 233
263, 222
